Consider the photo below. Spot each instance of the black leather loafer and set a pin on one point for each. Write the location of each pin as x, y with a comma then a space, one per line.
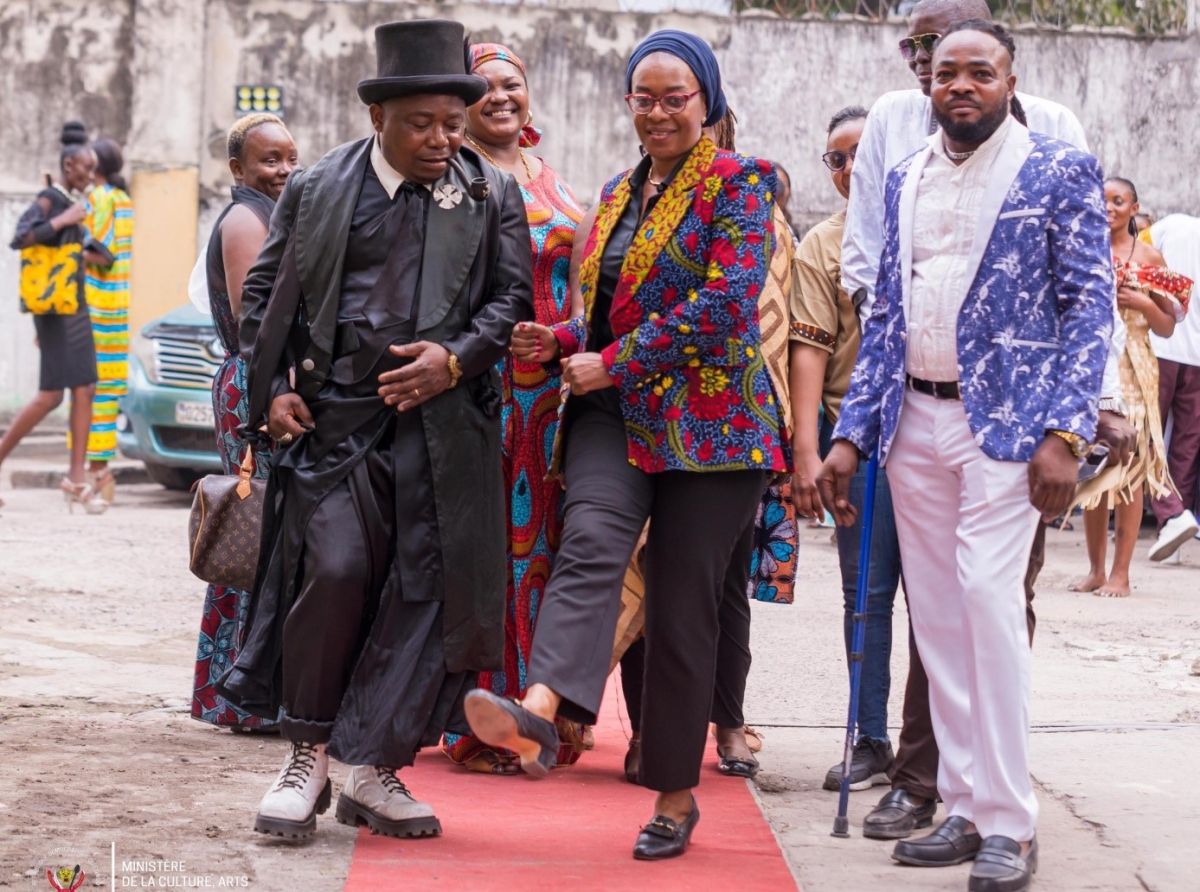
897, 815
1000, 866
664, 838
508, 725
951, 843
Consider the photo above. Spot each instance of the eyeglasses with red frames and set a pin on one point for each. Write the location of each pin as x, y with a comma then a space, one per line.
672, 103
909, 46
836, 161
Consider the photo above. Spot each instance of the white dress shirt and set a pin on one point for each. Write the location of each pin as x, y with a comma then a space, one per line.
949, 200
1178, 237
898, 125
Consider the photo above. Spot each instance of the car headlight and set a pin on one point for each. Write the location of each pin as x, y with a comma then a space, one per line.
143, 349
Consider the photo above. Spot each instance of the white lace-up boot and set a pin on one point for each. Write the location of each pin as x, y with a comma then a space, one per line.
374, 796
300, 793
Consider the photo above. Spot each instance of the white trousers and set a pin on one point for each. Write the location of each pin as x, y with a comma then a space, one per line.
966, 526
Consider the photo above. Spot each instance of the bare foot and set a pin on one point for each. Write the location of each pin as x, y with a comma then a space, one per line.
1089, 583
1117, 587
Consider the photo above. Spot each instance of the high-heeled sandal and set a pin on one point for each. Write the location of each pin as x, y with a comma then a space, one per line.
633, 760
82, 494
104, 484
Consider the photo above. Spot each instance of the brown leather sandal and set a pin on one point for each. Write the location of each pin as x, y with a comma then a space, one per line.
633, 760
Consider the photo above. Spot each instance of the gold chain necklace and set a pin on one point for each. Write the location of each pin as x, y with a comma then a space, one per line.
520, 151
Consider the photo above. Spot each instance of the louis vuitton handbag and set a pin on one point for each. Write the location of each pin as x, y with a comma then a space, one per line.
225, 526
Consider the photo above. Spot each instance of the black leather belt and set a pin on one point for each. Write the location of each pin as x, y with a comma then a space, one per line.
939, 390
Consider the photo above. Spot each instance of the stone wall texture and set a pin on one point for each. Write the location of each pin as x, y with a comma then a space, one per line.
161, 75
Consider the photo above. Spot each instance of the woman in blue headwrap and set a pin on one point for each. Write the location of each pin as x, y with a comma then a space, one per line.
671, 418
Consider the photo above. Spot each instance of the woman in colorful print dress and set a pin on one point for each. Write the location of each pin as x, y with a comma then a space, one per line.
498, 127
111, 225
261, 155
1150, 298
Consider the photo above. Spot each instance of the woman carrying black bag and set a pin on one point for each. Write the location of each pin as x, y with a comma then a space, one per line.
53, 244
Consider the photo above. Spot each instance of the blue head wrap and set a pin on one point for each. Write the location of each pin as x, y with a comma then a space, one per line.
699, 57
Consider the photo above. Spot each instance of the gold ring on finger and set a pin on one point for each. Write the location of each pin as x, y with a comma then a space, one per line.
417, 392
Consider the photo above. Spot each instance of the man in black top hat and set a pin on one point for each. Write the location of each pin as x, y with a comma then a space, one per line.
385, 294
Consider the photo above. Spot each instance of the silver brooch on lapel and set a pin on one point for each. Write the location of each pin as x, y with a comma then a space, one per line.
447, 196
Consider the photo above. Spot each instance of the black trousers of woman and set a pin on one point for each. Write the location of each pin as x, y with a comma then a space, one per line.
697, 521
733, 649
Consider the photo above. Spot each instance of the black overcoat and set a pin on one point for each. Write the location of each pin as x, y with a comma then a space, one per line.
476, 284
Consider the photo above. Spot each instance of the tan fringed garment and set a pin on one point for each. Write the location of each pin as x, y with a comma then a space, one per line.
1139, 387
773, 315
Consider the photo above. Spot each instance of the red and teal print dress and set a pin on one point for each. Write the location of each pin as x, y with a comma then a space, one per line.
530, 422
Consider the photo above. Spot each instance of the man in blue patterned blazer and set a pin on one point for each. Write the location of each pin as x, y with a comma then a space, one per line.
978, 380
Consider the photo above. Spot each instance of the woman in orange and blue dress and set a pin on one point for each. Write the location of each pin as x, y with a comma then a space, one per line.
500, 128
262, 156
671, 418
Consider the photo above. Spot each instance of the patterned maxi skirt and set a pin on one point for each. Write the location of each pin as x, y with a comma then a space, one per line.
224, 616
535, 519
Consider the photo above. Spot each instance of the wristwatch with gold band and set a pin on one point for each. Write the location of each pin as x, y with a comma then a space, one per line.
1079, 446
455, 369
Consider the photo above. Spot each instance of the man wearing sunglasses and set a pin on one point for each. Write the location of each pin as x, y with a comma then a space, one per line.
899, 125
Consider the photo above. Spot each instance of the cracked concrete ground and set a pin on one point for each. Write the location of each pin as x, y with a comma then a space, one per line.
1116, 710
98, 620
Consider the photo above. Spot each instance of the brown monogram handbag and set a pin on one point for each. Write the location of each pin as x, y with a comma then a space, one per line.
225, 527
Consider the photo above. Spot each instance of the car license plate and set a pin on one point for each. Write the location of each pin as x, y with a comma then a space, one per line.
194, 414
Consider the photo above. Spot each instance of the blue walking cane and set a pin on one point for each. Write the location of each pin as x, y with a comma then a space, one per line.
841, 824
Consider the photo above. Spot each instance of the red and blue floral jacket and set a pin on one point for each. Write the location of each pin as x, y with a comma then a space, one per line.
694, 388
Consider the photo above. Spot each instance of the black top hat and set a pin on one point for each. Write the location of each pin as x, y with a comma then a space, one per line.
424, 56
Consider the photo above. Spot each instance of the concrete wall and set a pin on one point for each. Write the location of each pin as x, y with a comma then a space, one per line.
161, 74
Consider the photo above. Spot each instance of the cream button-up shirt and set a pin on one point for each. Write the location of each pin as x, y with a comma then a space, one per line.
945, 218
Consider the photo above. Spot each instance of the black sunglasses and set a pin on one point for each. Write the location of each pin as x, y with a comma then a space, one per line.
836, 161
910, 45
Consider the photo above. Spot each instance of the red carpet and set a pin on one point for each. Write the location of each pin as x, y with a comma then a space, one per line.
573, 830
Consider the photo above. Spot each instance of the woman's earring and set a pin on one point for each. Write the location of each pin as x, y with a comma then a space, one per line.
529, 120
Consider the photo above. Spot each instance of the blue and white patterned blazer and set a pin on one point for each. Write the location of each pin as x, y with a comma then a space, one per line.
1034, 329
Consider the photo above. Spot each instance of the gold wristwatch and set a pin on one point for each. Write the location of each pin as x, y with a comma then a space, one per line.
1079, 446
455, 369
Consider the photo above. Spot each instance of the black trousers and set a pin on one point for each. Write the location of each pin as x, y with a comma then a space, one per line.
733, 649
697, 521
917, 750
349, 546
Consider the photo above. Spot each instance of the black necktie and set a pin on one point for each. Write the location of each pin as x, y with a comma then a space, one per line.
395, 291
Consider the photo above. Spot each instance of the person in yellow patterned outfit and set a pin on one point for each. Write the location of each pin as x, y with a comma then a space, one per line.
111, 225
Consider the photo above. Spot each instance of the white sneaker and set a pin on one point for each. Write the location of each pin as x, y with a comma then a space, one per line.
1174, 560
1174, 533
300, 793
374, 796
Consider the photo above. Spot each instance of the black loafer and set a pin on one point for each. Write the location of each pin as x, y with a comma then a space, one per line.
951, 843
1000, 866
664, 838
736, 767
897, 815
508, 725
